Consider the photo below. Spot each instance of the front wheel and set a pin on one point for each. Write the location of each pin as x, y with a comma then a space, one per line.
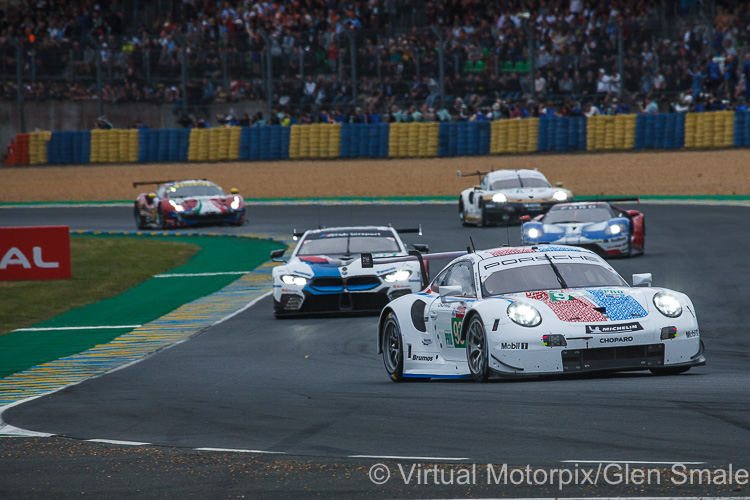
139, 222
392, 347
160, 219
477, 354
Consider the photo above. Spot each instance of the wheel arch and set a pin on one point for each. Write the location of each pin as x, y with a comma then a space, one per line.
467, 320
384, 314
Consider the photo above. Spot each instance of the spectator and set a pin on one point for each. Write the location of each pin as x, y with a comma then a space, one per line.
651, 108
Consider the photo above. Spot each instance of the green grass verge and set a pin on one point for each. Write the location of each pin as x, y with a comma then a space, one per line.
122, 304
101, 268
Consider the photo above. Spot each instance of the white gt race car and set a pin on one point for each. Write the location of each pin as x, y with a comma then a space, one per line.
520, 311
325, 275
504, 196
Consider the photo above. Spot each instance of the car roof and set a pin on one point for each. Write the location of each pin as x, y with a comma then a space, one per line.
504, 251
509, 174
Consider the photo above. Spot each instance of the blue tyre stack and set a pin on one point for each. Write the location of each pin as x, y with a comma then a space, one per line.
485, 131
640, 132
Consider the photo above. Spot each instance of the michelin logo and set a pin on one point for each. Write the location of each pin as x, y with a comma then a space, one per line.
621, 328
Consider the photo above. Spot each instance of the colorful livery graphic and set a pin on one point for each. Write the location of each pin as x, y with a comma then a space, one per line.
521, 311
187, 203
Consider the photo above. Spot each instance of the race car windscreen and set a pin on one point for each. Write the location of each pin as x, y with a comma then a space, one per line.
585, 213
519, 182
542, 276
193, 190
349, 243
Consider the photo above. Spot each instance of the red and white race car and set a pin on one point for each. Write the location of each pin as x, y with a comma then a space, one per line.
187, 203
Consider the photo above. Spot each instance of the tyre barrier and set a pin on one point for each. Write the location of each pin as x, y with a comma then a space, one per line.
720, 129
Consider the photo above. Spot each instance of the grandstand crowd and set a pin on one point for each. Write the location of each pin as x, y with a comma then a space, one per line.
677, 57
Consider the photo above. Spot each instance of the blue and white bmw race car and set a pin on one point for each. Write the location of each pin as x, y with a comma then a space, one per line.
325, 275
600, 226
520, 311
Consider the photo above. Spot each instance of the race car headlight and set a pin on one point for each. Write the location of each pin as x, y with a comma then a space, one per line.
235, 203
402, 275
290, 279
615, 229
524, 314
176, 206
667, 304
499, 198
534, 233
560, 196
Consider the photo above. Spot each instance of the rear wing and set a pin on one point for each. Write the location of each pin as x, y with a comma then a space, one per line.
479, 174
158, 183
146, 183
368, 260
417, 230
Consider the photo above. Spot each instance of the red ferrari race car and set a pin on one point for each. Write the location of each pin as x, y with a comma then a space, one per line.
187, 203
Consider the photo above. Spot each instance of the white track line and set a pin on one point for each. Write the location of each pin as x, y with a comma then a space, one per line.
235, 450
115, 441
245, 308
60, 328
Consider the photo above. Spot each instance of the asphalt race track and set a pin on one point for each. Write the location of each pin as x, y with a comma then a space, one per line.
315, 390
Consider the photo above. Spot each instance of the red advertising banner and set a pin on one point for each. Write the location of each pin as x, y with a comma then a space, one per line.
34, 253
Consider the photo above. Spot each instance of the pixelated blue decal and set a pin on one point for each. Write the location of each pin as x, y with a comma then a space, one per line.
619, 305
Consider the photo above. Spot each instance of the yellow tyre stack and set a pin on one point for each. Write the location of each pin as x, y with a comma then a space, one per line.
38, 147
334, 140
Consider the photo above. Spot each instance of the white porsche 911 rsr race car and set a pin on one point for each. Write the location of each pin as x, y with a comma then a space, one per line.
324, 273
520, 311
504, 196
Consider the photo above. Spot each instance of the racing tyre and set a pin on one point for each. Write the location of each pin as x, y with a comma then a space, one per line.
139, 222
477, 354
393, 349
461, 214
160, 222
674, 370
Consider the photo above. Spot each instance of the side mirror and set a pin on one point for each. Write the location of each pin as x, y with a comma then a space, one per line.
277, 254
478, 187
449, 291
422, 247
234, 191
643, 279
559, 184
526, 218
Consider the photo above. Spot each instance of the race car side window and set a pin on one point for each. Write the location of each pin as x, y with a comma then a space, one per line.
458, 274
439, 280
